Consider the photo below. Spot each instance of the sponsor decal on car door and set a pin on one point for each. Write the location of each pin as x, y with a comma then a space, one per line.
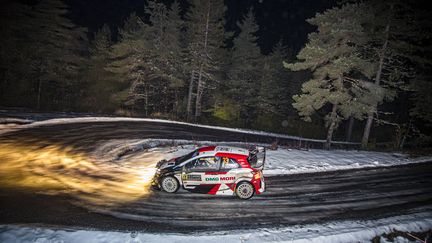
200, 175
226, 176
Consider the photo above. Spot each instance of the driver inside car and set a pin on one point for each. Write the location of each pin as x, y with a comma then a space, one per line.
208, 162
228, 164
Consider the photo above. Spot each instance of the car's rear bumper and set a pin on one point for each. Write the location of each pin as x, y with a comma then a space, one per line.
262, 187
259, 185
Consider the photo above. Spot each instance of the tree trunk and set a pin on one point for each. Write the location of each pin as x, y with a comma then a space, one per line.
366, 131
199, 93
190, 94
39, 94
176, 104
350, 129
146, 99
200, 88
373, 109
331, 127
402, 143
3, 87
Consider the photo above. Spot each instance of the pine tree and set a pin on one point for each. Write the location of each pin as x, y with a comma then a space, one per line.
382, 48
420, 55
102, 42
14, 54
130, 63
102, 84
58, 44
174, 44
175, 37
205, 36
332, 55
393, 45
273, 93
422, 99
52, 48
149, 58
245, 68
166, 55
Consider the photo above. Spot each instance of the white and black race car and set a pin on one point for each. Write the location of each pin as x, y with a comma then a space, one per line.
216, 170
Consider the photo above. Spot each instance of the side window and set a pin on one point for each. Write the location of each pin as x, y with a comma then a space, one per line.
228, 163
203, 164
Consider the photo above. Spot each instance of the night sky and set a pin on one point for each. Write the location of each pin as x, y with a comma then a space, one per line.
278, 19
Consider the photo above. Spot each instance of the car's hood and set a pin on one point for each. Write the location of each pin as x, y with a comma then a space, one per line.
165, 164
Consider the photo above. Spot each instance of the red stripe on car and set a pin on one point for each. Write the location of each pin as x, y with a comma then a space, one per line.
205, 149
214, 189
231, 186
216, 173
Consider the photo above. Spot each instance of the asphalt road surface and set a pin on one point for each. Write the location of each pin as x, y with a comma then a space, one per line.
289, 200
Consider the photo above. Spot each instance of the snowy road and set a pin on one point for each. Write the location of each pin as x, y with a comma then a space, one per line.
290, 200
67, 188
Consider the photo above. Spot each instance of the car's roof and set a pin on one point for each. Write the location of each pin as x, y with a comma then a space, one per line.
213, 150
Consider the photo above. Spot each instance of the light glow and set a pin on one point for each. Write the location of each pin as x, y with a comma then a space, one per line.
56, 169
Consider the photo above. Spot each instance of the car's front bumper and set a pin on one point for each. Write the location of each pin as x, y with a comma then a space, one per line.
155, 181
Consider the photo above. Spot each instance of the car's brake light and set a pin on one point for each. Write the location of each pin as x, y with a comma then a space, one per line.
257, 175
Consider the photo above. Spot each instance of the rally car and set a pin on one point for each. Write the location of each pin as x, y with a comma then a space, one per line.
216, 170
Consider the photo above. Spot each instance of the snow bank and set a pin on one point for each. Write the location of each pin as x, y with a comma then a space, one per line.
126, 119
291, 161
342, 231
7, 124
278, 162
8, 120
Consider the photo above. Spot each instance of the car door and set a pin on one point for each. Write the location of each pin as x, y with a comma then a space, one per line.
228, 174
201, 174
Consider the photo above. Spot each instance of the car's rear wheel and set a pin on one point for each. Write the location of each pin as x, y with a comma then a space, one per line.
170, 184
244, 190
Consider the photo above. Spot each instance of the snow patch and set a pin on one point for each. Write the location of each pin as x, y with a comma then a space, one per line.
332, 232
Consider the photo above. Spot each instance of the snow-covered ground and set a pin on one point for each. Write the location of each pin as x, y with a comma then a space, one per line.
284, 161
334, 232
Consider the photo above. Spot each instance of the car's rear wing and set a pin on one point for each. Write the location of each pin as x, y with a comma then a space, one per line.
257, 157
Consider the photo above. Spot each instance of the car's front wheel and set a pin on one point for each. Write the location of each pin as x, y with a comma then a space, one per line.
245, 190
170, 184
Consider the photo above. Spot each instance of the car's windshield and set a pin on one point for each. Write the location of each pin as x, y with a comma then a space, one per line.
183, 158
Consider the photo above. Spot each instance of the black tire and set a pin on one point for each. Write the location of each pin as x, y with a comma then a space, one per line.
169, 184
244, 190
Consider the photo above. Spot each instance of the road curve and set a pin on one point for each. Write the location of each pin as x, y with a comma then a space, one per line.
289, 200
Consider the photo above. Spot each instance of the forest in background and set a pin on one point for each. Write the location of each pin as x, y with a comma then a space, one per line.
367, 65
